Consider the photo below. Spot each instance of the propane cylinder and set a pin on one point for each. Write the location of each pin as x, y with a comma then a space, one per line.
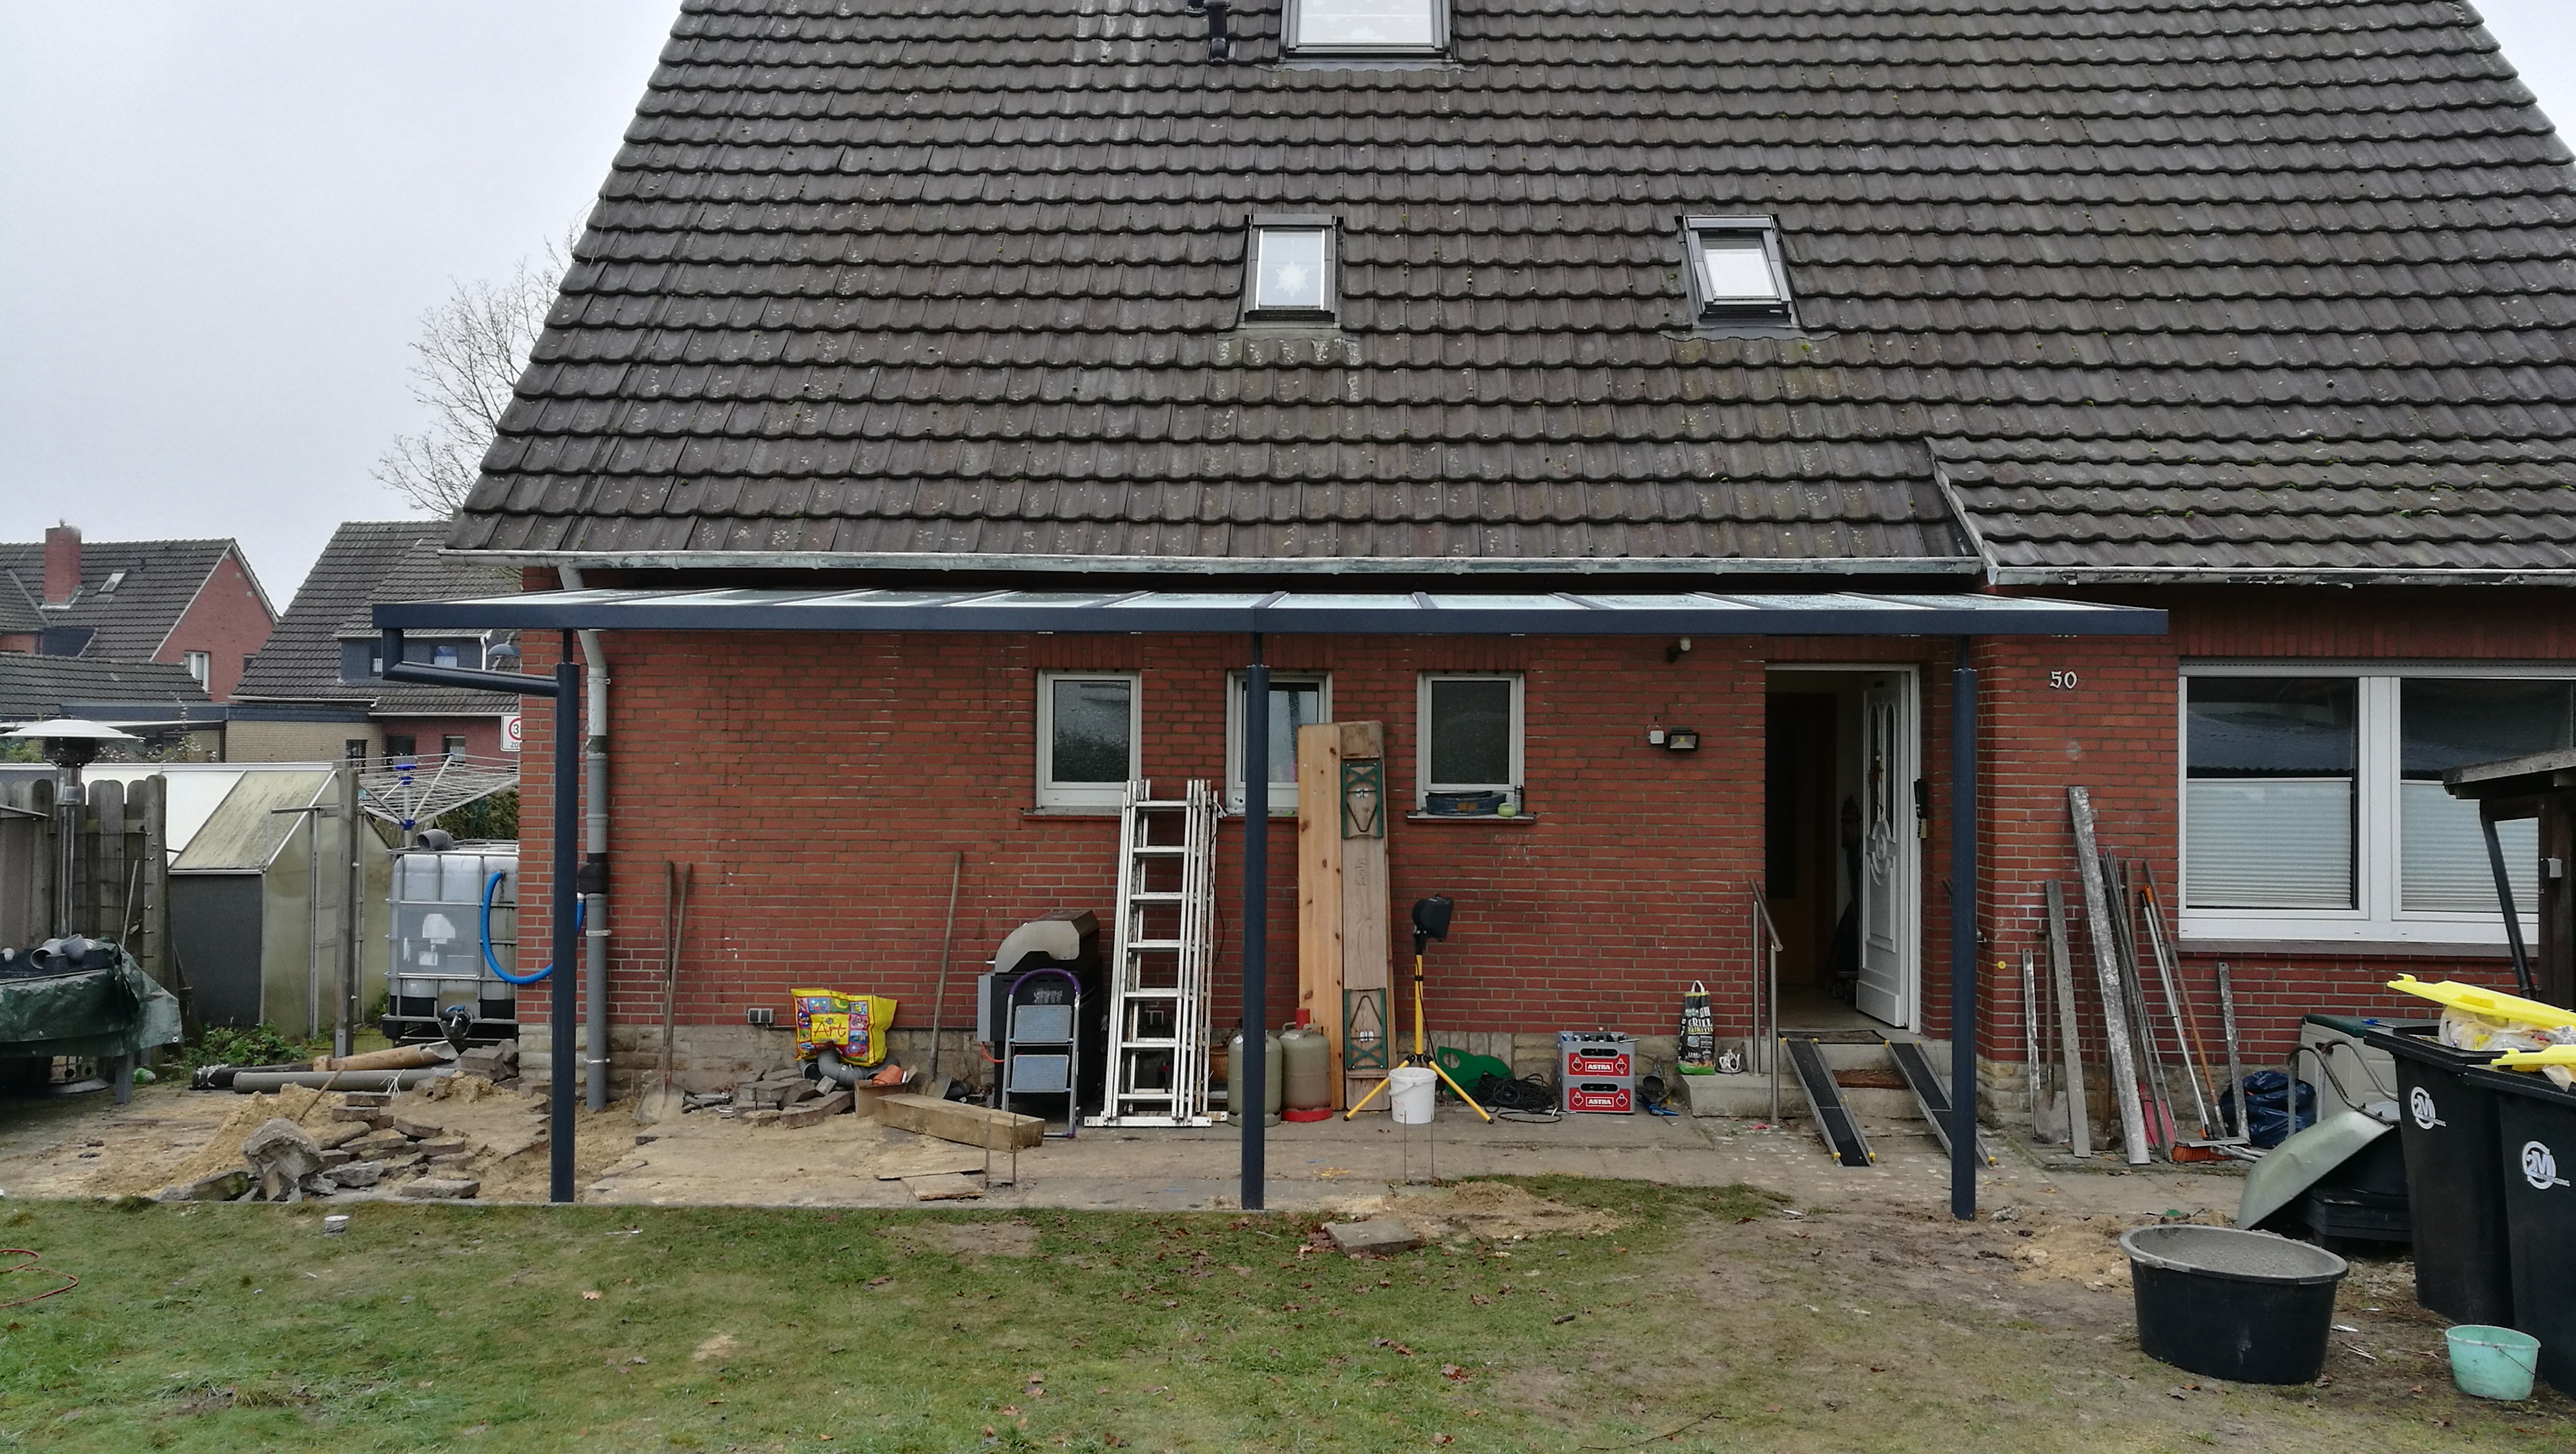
1235, 1099
1309, 1057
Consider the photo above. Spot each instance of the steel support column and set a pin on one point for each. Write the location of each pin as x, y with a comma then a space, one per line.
560, 899
1963, 934
1256, 924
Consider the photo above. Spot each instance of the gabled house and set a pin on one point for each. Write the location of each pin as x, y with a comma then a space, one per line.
2256, 313
315, 691
187, 603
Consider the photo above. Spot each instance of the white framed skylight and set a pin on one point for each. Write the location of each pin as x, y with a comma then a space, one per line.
1736, 275
1289, 271
1363, 28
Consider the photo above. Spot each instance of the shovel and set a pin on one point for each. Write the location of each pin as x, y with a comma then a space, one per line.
662, 1101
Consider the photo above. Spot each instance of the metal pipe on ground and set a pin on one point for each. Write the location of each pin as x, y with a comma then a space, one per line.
250, 1081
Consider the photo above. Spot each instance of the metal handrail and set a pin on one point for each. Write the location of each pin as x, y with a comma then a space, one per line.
1767, 1000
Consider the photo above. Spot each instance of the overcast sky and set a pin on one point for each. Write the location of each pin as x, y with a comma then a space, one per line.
221, 220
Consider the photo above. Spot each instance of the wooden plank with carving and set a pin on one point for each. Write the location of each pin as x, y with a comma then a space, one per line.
1319, 880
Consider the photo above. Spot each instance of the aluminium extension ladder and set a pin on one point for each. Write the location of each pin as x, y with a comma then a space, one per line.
1164, 946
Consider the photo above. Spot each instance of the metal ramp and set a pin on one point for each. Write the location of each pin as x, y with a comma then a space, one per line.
1164, 945
1834, 1120
1931, 1093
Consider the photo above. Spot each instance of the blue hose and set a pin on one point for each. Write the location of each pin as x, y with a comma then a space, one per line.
490, 886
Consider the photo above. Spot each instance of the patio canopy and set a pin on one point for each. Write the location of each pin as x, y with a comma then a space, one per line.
1256, 614
1677, 613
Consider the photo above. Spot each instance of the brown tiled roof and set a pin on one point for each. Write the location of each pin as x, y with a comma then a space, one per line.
129, 623
368, 562
2248, 285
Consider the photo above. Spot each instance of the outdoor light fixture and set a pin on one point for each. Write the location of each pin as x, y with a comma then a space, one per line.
1681, 739
1431, 919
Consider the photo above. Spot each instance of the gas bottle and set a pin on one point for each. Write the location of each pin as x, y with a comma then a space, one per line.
1235, 1099
1309, 1057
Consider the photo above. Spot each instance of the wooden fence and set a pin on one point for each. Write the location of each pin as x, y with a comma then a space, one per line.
119, 867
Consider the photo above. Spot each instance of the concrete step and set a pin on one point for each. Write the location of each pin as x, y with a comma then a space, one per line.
1750, 1096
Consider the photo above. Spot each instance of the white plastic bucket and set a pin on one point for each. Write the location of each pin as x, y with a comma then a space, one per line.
1411, 1087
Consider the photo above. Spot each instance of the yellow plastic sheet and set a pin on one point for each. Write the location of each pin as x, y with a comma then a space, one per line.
2492, 1004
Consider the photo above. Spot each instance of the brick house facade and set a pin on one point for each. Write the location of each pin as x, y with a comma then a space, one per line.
2100, 317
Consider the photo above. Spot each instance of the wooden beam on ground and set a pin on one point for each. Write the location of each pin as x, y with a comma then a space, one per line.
2106, 969
966, 1125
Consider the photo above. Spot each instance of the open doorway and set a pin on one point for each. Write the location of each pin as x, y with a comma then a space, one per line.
1840, 845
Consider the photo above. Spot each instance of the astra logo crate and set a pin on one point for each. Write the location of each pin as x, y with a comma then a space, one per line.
1601, 1097
1595, 1055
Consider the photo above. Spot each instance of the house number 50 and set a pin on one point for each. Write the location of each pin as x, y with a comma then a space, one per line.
2064, 681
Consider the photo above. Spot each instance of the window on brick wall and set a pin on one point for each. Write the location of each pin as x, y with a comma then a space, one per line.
1088, 738
2313, 807
1296, 700
1468, 740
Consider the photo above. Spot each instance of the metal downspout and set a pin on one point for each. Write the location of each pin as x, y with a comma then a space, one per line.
593, 878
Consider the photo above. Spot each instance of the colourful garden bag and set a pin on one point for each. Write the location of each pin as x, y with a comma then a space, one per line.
855, 1026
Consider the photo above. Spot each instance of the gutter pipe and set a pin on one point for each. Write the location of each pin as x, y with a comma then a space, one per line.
593, 877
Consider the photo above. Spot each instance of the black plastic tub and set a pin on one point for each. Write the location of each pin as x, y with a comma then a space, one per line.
2536, 1146
2248, 1307
2446, 1121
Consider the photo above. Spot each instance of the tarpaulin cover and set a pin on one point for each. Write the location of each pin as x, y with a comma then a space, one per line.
112, 1011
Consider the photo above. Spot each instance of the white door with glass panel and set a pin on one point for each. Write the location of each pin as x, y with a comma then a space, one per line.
1886, 887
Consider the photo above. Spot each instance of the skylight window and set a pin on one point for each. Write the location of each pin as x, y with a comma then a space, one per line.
1367, 27
1290, 271
114, 579
1735, 269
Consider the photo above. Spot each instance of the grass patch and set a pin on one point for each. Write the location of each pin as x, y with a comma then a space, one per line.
242, 1328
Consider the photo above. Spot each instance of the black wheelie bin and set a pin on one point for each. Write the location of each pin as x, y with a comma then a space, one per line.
2446, 1125
2536, 1153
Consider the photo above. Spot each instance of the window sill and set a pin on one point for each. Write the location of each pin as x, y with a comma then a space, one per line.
1071, 812
2348, 948
1470, 818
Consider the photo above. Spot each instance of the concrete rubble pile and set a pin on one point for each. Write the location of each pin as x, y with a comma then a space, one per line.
361, 1151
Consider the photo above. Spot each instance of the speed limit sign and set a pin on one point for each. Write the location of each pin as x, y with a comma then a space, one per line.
510, 732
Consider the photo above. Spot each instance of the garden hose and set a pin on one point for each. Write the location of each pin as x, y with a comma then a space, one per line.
490, 886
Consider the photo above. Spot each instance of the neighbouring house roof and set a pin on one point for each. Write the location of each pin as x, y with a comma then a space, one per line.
2122, 289
366, 563
128, 623
35, 687
18, 612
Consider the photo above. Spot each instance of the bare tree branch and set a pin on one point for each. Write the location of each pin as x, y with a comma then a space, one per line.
466, 363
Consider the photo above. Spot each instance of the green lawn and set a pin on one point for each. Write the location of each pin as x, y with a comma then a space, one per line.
245, 1328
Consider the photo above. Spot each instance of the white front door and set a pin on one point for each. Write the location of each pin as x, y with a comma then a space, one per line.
1885, 987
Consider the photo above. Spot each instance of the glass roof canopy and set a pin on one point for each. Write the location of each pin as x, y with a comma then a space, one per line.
1679, 613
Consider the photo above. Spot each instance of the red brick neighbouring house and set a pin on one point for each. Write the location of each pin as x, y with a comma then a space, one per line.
188, 603
1641, 300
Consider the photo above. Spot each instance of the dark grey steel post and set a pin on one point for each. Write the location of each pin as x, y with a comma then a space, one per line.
560, 899
2504, 900
1963, 936
1256, 922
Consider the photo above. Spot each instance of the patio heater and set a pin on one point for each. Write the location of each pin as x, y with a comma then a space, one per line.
70, 744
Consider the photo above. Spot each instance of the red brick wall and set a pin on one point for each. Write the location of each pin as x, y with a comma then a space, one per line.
823, 785
2116, 732
228, 620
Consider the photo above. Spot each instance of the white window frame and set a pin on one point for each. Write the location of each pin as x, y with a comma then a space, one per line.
1293, 42
1283, 796
1423, 786
1712, 311
1112, 796
201, 665
1254, 311
2378, 884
